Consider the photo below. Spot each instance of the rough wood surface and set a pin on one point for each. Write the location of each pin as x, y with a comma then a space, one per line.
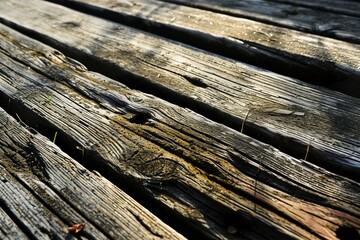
351, 8
300, 18
8, 229
209, 175
46, 192
309, 57
280, 108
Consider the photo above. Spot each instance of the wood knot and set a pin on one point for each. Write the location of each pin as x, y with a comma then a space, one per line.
70, 24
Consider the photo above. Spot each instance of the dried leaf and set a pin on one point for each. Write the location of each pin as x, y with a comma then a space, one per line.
76, 228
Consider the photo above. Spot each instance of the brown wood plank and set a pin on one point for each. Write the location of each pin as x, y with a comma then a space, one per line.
68, 193
8, 229
285, 15
309, 57
221, 89
351, 8
201, 170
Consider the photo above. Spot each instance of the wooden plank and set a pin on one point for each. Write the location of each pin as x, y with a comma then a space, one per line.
351, 8
308, 57
215, 178
47, 191
8, 229
309, 20
38, 221
223, 90
93, 130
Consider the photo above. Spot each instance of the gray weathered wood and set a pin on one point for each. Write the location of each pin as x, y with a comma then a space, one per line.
69, 193
281, 108
201, 170
293, 53
351, 8
285, 15
8, 229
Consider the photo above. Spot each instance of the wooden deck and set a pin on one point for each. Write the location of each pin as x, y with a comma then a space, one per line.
180, 119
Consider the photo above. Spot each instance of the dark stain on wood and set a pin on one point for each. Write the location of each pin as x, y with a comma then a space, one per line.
196, 81
70, 24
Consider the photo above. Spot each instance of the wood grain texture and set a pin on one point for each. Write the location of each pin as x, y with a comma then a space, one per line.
210, 175
309, 57
285, 15
47, 192
285, 112
36, 219
8, 228
351, 8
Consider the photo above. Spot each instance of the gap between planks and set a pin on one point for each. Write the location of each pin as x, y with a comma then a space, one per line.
45, 191
303, 19
311, 58
219, 164
227, 95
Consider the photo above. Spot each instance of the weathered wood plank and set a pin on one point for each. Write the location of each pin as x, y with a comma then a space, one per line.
285, 15
38, 221
308, 57
201, 170
33, 168
351, 8
221, 89
135, 157
8, 229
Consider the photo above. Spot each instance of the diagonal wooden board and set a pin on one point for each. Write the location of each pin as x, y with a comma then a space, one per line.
322, 23
293, 53
285, 112
44, 192
200, 170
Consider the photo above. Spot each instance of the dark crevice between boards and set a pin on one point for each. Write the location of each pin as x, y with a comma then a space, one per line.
265, 20
306, 69
70, 143
19, 223
347, 233
266, 177
221, 215
258, 203
237, 160
174, 189
321, 8
53, 210
91, 160
290, 146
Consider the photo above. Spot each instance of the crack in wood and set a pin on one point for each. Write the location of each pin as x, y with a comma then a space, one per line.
198, 163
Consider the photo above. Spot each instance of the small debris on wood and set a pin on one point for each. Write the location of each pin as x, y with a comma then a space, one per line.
76, 228
55, 137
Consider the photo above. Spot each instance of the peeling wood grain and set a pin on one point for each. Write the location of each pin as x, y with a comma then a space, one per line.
61, 193
285, 15
329, 120
201, 170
